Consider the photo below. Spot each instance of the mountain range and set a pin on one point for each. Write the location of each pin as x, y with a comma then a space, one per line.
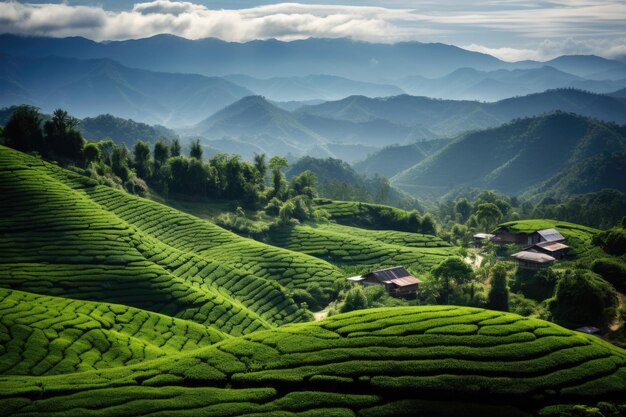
555, 154
91, 87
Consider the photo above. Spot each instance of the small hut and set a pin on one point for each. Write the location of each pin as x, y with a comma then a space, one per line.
555, 249
397, 280
533, 260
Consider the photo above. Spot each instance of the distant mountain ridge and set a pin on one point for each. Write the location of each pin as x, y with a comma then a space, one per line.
91, 87
532, 153
448, 118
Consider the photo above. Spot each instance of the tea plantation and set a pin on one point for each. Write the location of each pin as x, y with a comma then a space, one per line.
443, 361
345, 245
63, 235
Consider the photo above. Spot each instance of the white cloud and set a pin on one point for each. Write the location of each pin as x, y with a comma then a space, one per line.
509, 29
549, 49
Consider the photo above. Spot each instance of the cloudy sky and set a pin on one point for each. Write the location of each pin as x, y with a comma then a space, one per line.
509, 29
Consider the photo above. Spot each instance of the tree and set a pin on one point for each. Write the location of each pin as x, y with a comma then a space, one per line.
196, 150
23, 130
498, 298
141, 155
261, 166
304, 184
119, 162
355, 300
489, 214
428, 225
463, 208
583, 298
161, 154
286, 212
450, 273
276, 164
61, 137
175, 148
91, 152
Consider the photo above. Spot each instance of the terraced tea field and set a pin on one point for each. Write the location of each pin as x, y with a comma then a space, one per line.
63, 235
43, 335
345, 245
443, 361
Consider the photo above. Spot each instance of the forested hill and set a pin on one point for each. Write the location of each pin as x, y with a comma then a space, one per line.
518, 156
122, 130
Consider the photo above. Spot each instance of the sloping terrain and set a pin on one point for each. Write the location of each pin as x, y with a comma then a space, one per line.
43, 335
431, 361
63, 235
515, 157
343, 245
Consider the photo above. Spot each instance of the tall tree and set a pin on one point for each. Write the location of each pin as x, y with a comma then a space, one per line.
488, 214
141, 155
450, 273
23, 130
61, 137
161, 154
175, 148
276, 164
196, 150
261, 166
498, 298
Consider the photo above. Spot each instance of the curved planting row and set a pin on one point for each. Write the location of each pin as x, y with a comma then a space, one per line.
379, 362
393, 237
341, 245
191, 234
42, 335
57, 237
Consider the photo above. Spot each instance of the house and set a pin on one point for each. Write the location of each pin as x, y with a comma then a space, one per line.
532, 260
397, 280
546, 235
505, 236
555, 249
481, 238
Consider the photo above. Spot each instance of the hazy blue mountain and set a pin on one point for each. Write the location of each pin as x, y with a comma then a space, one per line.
255, 120
391, 160
468, 83
295, 105
311, 87
122, 130
619, 93
97, 86
268, 58
585, 65
515, 157
448, 118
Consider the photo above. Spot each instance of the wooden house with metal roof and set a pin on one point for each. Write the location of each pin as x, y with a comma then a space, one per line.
555, 249
532, 260
397, 280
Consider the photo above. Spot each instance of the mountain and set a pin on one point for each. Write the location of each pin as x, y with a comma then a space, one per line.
619, 93
447, 118
586, 65
256, 121
606, 170
87, 88
393, 159
471, 84
515, 157
263, 58
122, 130
311, 87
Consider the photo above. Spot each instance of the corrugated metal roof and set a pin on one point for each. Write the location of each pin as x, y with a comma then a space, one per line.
389, 273
550, 235
404, 281
540, 258
552, 246
483, 235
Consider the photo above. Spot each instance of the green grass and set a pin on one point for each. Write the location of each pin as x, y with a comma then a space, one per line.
345, 245
369, 362
43, 335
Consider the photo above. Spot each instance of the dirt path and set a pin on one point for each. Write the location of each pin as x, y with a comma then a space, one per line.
474, 263
621, 300
319, 315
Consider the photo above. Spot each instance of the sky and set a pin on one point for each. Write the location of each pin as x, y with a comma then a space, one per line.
512, 30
